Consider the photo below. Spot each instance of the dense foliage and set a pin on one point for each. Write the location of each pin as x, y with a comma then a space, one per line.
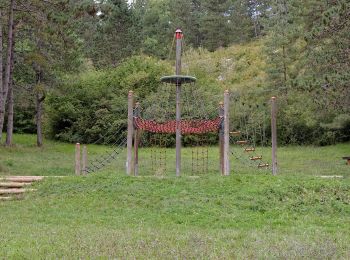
97, 50
88, 105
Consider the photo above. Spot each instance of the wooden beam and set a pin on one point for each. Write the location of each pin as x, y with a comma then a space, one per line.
178, 101
221, 138
137, 113
226, 134
235, 133
274, 135
254, 158
242, 142
84, 160
130, 132
77, 159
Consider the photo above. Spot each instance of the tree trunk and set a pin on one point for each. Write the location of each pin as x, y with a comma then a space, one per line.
10, 103
1, 76
39, 111
9, 131
8, 66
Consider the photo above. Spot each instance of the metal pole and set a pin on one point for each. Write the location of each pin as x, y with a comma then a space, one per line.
274, 135
178, 35
226, 134
130, 133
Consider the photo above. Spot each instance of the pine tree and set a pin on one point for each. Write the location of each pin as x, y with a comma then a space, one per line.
285, 43
215, 26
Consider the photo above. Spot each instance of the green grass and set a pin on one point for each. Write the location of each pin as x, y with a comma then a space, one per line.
249, 214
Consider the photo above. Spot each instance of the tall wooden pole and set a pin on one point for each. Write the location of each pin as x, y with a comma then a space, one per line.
178, 35
130, 133
221, 138
137, 113
274, 135
226, 134
77, 159
84, 160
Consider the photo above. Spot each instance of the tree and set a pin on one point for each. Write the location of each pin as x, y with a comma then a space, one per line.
109, 30
215, 24
156, 40
187, 16
46, 47
285, 42
6, 77
10, 102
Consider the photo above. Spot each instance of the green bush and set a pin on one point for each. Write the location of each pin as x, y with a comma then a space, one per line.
92, 106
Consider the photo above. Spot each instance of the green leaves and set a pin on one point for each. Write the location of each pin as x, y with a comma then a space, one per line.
97, 99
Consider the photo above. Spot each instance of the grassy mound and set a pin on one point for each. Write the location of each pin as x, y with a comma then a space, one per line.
249, 214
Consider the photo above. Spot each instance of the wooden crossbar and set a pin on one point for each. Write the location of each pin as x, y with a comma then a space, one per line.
254, 158
235, 133
262, 165
241, 142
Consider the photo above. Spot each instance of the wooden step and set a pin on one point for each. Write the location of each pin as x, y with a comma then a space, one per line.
14, 184
263, 165
235, 133
241, 142
22, 178
251, 149
3, 198
254, 158
15, 191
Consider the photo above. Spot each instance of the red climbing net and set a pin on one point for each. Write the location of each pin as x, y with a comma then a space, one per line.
187, 126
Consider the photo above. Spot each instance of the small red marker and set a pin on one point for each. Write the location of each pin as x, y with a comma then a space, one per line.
178, 34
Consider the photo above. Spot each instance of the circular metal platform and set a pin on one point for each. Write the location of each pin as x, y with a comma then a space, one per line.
178, 79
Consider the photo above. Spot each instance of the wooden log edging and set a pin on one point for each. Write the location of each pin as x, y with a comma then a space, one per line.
15, 191
25, 179
14, 184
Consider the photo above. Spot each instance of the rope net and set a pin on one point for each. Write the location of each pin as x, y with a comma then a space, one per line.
186, 126
199, 126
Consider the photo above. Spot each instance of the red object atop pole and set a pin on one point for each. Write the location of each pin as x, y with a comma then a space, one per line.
178, 34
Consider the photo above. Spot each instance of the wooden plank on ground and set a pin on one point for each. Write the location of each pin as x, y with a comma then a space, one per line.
14, 184
15, 191
22, 178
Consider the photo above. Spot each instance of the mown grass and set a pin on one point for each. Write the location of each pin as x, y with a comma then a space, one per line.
249, 214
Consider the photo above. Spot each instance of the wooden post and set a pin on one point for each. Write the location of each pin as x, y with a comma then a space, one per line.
221, 138
84, 161
274, 135
130, 133
137, 113
226, 134
77, 159
178, 35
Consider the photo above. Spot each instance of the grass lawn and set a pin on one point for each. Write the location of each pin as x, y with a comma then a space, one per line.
249, 214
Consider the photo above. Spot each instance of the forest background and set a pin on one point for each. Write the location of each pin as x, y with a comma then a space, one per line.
66, 66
